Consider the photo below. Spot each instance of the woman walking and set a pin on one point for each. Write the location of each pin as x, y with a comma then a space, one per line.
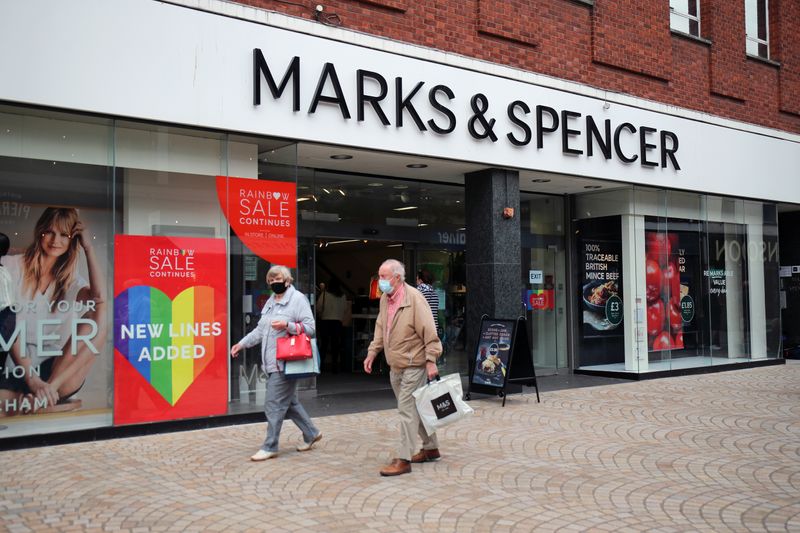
287, 312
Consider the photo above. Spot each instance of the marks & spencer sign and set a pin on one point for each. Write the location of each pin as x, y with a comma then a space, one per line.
525, 123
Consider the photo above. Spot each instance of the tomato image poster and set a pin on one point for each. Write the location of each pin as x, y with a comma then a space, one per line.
664, 292
170, 328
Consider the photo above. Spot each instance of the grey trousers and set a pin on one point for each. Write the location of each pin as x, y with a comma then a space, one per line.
282, 403
404, 383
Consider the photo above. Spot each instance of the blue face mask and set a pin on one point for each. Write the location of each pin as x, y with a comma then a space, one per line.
385, 286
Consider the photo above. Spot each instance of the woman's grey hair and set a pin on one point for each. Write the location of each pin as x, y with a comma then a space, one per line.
281, 270
396, 267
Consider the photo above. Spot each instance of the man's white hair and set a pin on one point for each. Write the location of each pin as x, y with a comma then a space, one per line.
396, 267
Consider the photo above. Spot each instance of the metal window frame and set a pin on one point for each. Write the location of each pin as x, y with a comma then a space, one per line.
756, 40
689, 17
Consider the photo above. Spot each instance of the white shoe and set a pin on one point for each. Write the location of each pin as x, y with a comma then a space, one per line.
308, 445
261, 455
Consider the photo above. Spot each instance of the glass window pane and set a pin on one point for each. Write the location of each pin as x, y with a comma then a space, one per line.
751, 17
57, 210
681, 6
679, 23
762, 20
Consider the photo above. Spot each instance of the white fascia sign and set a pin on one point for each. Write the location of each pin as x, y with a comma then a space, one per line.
167, 63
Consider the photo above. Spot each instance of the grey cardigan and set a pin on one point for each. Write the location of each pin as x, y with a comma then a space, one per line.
292, 308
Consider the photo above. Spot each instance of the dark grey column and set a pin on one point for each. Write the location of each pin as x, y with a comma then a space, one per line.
493, 249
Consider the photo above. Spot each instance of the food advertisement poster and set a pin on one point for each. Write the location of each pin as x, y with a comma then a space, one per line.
170, 320
263, 214
669, 302
599, 291
601, 285
494, 349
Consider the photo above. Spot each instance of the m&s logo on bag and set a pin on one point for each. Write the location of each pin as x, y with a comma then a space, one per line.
443, 405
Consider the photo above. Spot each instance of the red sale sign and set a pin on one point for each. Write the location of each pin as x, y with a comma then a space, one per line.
170, 322
542, 299
264, 216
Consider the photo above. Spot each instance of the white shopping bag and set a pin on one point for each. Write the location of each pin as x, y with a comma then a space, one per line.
440, 402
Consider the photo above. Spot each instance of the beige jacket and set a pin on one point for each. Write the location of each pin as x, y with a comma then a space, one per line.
412, 338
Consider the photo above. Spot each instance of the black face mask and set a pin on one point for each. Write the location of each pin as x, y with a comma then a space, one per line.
278, 287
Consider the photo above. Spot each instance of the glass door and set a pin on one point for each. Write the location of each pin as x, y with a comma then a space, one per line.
541, 308
543, 288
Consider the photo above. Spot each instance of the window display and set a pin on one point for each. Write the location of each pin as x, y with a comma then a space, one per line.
600, 303
56, 367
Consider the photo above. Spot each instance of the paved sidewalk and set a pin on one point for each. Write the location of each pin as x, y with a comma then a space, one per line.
717, 452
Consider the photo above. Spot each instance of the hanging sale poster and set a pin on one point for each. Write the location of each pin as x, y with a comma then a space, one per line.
170, 320
263, 214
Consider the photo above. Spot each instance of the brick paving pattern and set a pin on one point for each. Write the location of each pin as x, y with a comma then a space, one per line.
717, 452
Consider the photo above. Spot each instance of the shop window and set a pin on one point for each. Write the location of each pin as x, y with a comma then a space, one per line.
757, 27
262, 232
170, 297
56, 210
696, 276
684, 16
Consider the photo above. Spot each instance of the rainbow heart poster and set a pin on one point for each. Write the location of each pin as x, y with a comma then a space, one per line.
170, 328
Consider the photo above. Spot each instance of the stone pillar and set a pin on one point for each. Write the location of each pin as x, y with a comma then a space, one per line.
493, 253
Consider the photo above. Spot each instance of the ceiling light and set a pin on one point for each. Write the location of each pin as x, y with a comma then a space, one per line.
303, 199
400, 187
341, 156
375, 184
394, 245
326, 190
541, 180
341, 192
421, 225
406, 208
341, 242
417, 165
461, 229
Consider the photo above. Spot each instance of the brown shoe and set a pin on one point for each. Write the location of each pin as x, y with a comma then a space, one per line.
424, 456
397, 467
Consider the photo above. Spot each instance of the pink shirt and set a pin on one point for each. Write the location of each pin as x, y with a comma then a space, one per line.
395, 299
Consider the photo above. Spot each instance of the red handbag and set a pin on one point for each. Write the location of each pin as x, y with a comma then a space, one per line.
294, 347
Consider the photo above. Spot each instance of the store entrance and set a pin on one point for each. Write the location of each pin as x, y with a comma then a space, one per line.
347, 300
543, 271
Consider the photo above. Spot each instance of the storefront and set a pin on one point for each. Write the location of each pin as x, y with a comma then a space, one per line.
147, 192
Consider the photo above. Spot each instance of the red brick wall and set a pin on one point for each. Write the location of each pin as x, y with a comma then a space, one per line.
786, 47
618, 45
722, 21
633, 35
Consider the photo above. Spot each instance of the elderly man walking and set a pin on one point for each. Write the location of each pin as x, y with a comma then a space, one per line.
406, 333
